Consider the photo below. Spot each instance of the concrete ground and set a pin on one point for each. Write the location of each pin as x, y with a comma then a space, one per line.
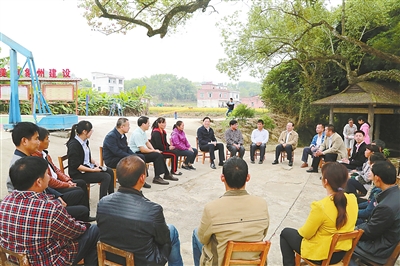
288, 190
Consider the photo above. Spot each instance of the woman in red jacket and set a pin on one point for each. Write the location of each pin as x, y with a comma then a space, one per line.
159, 141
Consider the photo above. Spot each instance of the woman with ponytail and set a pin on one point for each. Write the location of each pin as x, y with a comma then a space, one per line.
81, 165
336, 213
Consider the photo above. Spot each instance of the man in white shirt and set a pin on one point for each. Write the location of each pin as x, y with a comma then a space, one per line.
259, 139
317, 140
348, 134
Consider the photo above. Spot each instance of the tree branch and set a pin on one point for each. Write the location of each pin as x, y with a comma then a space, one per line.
163, 29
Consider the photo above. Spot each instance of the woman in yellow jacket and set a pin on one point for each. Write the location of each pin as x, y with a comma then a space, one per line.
336, 213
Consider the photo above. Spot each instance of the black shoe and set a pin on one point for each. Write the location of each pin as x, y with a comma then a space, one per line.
170, 177
290, 163
176, 173
260, 162
91, 219
221, 164
312, 170
212, 165
146, 185
191, 167
186, 167
275, 162
253, 162
159, 180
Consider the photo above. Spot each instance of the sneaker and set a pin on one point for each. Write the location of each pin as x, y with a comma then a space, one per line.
146, 185
191, 167
170, 177
260, 162
253, 162
159, 180
275, 162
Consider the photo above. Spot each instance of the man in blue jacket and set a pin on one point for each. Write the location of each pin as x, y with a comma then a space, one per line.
317, 140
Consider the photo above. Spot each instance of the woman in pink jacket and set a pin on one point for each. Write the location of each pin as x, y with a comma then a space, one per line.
182, 146
364, 126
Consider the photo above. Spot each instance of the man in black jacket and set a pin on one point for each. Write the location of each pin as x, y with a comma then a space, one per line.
115, 145
382, 229
357, 158
141, 224
208, 142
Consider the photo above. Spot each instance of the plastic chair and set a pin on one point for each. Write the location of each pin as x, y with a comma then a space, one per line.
21, 258
102, 248
355, 236
262, 247
202, 154
101, 161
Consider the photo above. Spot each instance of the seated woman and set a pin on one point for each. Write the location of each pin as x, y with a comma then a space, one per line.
159, 142
336, 213
182, 146
81, 165
359, 185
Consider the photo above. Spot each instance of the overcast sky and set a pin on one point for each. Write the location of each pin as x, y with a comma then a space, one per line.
59, 37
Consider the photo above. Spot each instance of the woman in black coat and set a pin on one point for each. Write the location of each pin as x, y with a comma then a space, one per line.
80, 162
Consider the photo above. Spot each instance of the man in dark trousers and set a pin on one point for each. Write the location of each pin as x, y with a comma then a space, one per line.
357, 158
208, 142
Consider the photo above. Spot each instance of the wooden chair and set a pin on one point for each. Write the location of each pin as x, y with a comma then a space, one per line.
101, 161
355, 236
391, 261
202, 154
61, 160
348, 152
284, 155
102, 248
262, 247
21, 258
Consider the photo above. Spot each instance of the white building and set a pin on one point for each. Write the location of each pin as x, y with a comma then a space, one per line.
109, 83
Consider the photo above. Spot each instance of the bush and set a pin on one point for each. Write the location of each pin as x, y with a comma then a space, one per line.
242, 111
268, 122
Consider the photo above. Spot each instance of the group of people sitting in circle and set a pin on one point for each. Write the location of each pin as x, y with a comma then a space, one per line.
46, 214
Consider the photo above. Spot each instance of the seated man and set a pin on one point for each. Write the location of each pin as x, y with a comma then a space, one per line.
25, 137
331, 149
208, 142
259, 139
141, 223
288, 142
74, 191
32, 222
357, 158
317, 140
115, 145
235, 216
234, 139
382, 229
140, 144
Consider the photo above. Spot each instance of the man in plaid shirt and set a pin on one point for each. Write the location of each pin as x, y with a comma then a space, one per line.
31, 222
